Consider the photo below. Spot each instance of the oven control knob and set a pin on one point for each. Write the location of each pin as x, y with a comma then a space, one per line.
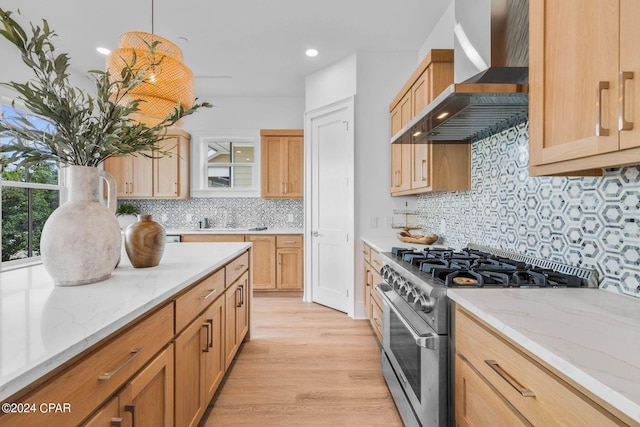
397, 283
412, 295
405, 288
424, 303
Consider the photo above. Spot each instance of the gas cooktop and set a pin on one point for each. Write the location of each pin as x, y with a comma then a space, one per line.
477, 266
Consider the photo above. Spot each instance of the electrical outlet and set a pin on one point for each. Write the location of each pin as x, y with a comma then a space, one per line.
443, 226
289, 217
189, 218
163, 217
373, 222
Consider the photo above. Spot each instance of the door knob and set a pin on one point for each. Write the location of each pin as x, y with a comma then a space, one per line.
315, 234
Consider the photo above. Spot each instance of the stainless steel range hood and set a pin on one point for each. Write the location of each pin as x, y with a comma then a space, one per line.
491, 59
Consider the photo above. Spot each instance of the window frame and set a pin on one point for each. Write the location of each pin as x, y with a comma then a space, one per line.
60, 187
199, 165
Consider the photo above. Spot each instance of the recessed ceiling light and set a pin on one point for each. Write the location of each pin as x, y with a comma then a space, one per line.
103, 50
312, 52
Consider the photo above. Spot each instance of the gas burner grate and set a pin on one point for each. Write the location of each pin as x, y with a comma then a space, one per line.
589, 277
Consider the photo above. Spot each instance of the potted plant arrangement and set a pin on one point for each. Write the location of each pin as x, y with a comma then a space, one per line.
126, 215
81, 240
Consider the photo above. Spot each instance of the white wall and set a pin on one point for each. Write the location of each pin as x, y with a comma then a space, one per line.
331, 84
249, 113
442, 35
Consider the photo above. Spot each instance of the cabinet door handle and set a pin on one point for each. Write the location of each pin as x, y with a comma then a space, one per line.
375, 319
209, 327
525, 392
211, 292
116, 422
132, 409
623, 124
108, 375
601, 86
175, 188
210, 322
424, 170
279, 259
286, 188
282, 187
240, 297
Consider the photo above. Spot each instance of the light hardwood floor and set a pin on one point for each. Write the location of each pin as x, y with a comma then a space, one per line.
306, 365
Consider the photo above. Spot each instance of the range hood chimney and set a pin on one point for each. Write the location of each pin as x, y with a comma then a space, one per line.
490, 93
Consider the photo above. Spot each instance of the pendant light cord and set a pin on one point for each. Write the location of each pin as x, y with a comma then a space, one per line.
152, 32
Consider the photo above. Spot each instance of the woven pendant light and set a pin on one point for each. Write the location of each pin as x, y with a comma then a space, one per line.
167, 83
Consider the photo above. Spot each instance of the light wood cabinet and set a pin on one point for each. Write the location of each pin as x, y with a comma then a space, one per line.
236, 316
132, 175
584, 96
420, 168
264, 260
290, 262
371, 277
278, 259
499, 383
282, 159
167, 177
160, 370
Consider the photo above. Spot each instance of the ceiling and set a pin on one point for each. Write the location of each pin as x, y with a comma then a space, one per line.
240, 47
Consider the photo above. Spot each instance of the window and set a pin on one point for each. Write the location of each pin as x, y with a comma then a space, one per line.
225, 164
28, 198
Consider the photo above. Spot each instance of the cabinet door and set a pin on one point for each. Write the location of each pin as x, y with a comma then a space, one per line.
107, 416
477, 404
293, 160
630, 63
366, 279
272, 173
148, 398
190, 348
243, 307
420, 168
289, 268
141, 184
264, 261
214, 363
120, 168
573, 80
231, 343
166, 180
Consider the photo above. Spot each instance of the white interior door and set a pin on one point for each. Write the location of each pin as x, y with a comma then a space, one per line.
330, 205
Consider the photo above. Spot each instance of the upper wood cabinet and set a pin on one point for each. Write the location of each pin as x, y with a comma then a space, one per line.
420, 168
584, 95
167, 177
282, 154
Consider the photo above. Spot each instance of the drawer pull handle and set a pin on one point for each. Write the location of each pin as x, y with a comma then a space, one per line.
209, 327
290, 241
211, 292
623, 124
525, 392
108, 375
375, 319
240, 267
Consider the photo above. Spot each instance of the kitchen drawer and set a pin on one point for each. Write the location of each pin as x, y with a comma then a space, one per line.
376, 262
539, 395
191, 303
376, 318
366, 252
289, 241
91, 380
236, 267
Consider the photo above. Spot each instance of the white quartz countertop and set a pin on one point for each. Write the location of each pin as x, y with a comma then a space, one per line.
181, 231
590, 335
43, 326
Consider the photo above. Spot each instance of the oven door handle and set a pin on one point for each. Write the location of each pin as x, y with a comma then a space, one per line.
426, 340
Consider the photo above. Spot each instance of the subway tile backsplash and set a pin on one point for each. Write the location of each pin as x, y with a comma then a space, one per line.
586, 222
245, 212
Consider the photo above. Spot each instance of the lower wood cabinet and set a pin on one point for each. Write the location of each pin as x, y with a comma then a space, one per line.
499, 383
159, 371
371, 277
278, 259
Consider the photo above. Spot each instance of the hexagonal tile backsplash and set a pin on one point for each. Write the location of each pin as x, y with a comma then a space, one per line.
587, 222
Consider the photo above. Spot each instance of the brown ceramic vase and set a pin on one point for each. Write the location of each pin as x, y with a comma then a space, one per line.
144, 242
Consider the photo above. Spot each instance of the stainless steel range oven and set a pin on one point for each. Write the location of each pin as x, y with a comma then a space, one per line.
417, 343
